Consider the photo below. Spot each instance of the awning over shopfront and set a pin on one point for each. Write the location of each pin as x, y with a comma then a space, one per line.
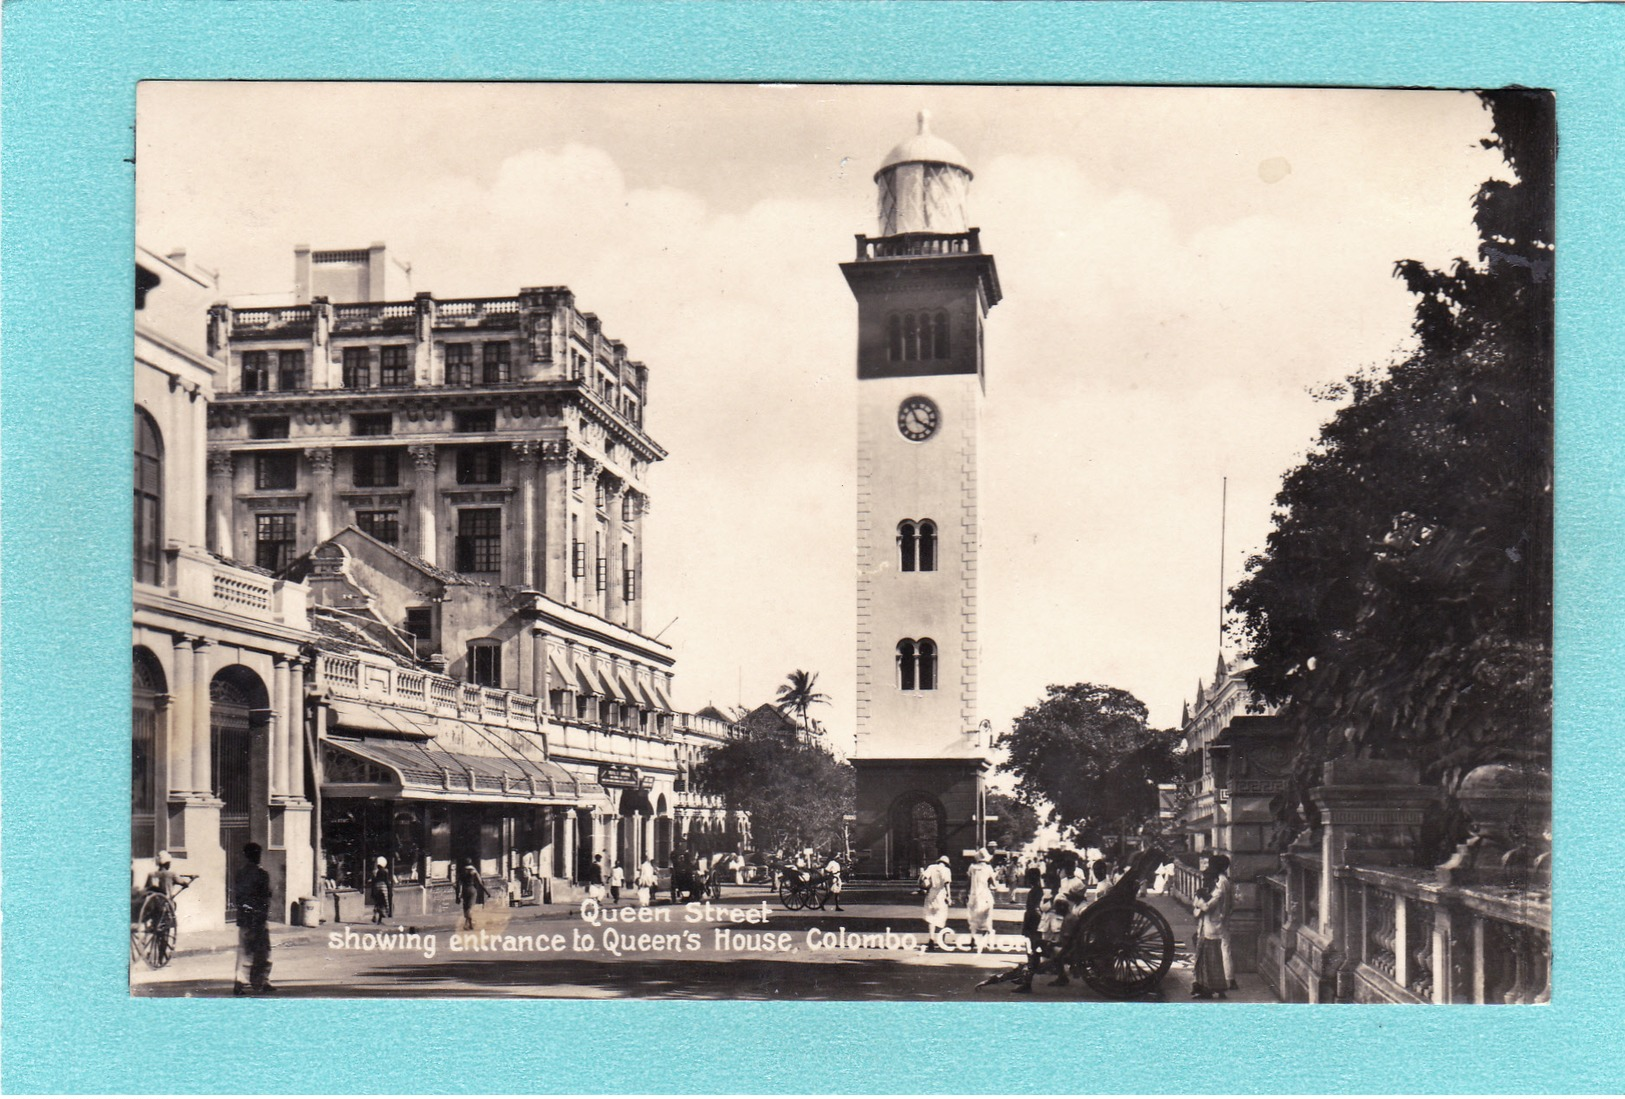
375, 719
645, 694
418, 770
562, 680
628, 692
607, 683
585, 682
662, 698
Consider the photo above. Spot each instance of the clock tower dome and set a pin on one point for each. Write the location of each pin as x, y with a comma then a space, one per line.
923, 288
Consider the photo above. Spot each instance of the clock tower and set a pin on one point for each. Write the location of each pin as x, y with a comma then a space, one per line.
923, 288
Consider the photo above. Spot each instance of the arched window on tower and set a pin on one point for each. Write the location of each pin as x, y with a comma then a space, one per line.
940, 344
928, 546
917, 664
894, 334
911, 337
907, 545
149, 499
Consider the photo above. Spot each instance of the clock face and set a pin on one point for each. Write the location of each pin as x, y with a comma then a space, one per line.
918, 419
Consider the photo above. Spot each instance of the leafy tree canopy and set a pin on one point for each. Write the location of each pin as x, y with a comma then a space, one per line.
1016, 825
1402, 605
796, 794
1087, 751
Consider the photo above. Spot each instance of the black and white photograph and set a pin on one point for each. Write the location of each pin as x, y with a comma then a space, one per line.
972, 543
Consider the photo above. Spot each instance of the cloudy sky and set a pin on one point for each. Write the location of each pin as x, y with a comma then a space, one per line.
1181, 269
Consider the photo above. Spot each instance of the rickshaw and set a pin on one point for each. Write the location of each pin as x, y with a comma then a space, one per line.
802, 888
1121, 946
153, 927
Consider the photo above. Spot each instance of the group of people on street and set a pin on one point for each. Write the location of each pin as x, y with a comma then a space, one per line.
937, 882
600, 886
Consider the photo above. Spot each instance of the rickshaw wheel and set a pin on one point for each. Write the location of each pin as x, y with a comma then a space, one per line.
1124, 951
153, 937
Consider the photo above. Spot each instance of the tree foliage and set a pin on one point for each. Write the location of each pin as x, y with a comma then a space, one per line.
1402, 605
796, 794
1087, 751
1016, 825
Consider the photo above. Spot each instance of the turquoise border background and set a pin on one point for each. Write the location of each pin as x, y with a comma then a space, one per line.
68, 100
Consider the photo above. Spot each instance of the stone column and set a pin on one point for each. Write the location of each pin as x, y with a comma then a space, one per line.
181, 723
278, 732
571, 854
526, 453
321, 496
539, 674
553, 573
294, 743
221, 500
634, 610
1371, 815
615, 596
202, 769
426, 495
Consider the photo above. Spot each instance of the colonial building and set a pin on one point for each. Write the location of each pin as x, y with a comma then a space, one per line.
1239, 759
219, 755
461, 484
923, 289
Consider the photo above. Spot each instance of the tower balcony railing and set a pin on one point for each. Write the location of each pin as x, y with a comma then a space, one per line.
920, 244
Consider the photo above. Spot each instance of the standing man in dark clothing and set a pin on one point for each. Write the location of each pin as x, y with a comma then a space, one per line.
253, 896
1029, 928
470, 888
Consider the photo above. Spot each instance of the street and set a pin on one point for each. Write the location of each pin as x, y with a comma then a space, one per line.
748, 947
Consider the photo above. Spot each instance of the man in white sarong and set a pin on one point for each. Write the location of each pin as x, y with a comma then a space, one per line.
936, 878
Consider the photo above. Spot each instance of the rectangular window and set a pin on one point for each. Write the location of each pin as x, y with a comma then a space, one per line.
485, 664
394, 371
600, 496
477, 421
479, 540
357, 368
496, 363
256, 371
459, 364
277, 470
268, 427
273, 541
600, 563
290, 369
377, 467
420, 622
576, 476
479, 465
382, 525
629, 507
372, 423
629, 582
578, 559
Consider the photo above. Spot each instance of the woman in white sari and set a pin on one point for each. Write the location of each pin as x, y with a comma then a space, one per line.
979, 904
936, 879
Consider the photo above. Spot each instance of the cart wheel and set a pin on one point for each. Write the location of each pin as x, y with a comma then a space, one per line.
153, 936
1125, 951
795, 899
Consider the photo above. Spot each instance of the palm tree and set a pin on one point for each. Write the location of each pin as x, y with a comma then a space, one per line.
799, 695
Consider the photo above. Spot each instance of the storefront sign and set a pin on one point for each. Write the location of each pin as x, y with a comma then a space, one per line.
615, 775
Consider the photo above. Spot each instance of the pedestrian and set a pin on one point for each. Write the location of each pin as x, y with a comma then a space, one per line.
1053, 929
1103, 877
1030, 920
936, 879
595, 878
164, 880
647, 880
979, 900
470, 888
253, 895
832, 878
617, 878
381, 891
1213, 975
1075, 887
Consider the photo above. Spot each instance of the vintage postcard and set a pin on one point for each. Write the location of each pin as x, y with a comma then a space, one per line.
842, 542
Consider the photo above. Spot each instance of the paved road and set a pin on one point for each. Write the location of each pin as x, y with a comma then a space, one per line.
750, 948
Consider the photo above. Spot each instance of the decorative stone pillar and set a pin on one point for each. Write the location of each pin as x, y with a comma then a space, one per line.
615, 595
639, 508
526, 452
1371, 815
221, 497
321, 497
425, 496
202, 772
294, 750
181, 724
553, 579
539, 675
278, 732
